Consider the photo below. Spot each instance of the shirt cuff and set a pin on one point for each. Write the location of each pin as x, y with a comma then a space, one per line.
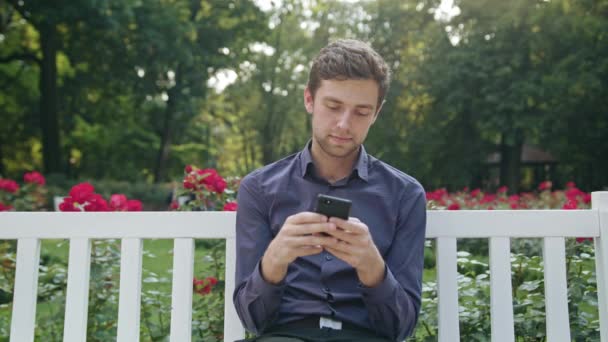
383, 290
264, 288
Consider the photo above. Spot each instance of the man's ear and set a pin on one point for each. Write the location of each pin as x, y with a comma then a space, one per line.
378, 111
308, 100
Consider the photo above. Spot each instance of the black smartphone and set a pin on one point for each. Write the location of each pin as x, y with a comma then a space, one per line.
331, 206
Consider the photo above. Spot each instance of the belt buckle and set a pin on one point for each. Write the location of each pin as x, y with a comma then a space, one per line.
325, 322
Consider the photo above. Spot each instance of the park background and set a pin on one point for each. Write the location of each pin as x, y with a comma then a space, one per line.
493, 105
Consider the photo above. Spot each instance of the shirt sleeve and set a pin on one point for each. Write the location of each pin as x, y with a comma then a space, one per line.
256, 301
394, 304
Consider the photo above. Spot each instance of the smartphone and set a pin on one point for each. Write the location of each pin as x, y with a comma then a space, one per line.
333, 206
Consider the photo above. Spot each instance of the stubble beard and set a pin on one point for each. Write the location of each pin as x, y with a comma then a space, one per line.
336, 151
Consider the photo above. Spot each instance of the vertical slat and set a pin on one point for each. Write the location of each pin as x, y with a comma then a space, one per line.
599, 202
181, 297
556, 289
130, 290
26, 290
233, 330
77, 298
447, 290
501, 295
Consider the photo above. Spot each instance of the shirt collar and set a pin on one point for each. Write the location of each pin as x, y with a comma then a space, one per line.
361, 166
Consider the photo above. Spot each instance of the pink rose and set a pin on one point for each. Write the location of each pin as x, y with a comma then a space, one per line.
230, 206
34, 177
80, 193
134, 205
9, 185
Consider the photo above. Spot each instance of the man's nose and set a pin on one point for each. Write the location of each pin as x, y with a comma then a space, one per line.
344, 120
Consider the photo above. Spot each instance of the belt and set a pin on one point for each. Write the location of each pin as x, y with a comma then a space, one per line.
313, 322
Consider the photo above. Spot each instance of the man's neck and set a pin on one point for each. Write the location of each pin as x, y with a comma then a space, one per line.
332, 168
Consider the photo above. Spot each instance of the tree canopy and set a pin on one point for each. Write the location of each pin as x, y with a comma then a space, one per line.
135, 90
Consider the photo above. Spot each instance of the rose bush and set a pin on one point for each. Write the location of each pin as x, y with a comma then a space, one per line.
82, 197
30, 196
207, 190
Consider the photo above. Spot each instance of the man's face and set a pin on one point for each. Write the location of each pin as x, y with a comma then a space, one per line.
342, 113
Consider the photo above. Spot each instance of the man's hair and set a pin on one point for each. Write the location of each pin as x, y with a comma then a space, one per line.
349, 59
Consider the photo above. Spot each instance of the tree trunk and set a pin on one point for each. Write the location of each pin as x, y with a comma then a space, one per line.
49, 118
510, 162
2, 168
160, 171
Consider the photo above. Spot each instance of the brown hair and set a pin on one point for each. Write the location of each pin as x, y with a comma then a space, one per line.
349, 59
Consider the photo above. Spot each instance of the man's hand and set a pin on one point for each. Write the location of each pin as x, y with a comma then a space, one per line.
356, 247
301, 235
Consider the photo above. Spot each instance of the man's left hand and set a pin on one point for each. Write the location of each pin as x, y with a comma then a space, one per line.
356, 247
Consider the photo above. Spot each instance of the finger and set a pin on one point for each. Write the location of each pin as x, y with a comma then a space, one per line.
340, 255
343, 247
310, 228
355, 227
346, 236
306, 217
308, 250
313, 240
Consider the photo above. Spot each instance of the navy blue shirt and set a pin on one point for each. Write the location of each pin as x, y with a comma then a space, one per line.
392, 205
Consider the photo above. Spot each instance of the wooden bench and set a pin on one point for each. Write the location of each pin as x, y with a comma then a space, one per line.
444, 226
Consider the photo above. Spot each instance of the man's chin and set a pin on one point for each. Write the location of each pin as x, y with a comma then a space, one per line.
340, 151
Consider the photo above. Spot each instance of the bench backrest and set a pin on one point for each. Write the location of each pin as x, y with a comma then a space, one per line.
183, 227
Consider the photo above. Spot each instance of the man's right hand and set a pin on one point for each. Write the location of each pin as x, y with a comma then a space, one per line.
301, 235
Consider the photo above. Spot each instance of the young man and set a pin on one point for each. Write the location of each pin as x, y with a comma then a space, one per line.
302, 276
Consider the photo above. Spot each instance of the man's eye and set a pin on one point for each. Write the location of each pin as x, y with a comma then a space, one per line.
333, 107
363, 113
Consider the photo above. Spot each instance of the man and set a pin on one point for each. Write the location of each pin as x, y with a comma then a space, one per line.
302, 276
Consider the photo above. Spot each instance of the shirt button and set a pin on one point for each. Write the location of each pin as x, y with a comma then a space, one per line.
326, 290
328, 257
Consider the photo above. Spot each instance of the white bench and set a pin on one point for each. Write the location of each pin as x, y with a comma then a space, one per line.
444, 226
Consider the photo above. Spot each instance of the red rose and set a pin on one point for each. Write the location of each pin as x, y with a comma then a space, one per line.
570, 204
581, 239
134, 205
68, 204
230, 206
212, 180
203, 286
118, 202
586, 198
80, 193
174, 205
34, 177
5, 207
96, 203
188, 169
502, 189
488, 198
546, 185
514, 198
514, 205
570, 185
9, 185
475, 193
454, 206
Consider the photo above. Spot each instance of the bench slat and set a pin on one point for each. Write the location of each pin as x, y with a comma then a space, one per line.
447, 290
77, 297
599, 202
130, 290
26, 290
233, 330
556, 289
501, 290
181, 297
